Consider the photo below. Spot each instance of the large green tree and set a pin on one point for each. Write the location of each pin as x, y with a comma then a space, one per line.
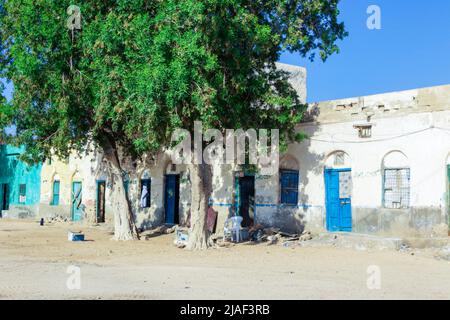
139, 69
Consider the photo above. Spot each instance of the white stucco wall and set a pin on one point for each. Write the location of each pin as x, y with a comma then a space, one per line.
426, 151
416, 124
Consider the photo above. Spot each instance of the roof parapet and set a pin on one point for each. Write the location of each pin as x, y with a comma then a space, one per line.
391, 104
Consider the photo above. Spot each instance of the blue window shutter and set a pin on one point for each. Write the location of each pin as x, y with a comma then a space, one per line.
55, 199
289, 187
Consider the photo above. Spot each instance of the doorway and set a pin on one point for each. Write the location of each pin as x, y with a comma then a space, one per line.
4, 197
246, 199
172, 199
77, 210
338, 189
101, 188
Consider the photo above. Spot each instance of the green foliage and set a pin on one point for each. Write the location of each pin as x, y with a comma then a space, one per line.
138, 69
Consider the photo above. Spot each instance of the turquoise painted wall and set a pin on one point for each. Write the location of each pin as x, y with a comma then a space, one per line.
15, 172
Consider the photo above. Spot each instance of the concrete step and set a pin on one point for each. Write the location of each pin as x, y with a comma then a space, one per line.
363, 241
356, 241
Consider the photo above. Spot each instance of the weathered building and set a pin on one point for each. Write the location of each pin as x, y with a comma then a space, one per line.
377, 164
68, 187
159, 191
81, 188
19, 184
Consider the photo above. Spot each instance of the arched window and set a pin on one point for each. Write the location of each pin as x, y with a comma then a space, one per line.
396, 181
338, 160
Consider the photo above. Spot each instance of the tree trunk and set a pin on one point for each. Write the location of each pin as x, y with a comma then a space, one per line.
124, 226
201, 179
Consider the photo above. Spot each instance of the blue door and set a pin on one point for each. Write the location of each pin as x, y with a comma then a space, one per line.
338, 200
171, 202
77, 210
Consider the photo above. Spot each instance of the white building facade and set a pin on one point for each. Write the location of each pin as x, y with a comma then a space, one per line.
394, 150
377, 164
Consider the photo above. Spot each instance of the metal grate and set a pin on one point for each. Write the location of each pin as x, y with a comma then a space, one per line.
397, 188
339, 159
364, 131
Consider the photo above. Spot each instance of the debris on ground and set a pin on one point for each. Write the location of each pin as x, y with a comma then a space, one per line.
306, 236
274, 235
444, 254
158, 231
258, 236
57, 219
404, 248
224, 244
170, 230
271, 231
256, 233
288, 239
273, 239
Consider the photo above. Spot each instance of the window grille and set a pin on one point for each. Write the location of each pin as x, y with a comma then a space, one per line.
364, 131
397, 188
339, 159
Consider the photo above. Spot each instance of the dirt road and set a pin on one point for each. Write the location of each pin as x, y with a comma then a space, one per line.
35, 260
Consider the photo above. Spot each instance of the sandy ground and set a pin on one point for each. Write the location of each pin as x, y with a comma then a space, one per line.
34, 261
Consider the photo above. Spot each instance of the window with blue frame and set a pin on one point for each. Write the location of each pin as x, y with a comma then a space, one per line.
55, 197
145, 193
289, 187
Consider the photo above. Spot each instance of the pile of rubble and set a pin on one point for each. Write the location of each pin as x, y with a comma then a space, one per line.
444, 254
274, 236
260, 234
57, 219
255, 234
155, 232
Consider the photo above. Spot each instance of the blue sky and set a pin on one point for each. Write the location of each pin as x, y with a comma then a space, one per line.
411, 50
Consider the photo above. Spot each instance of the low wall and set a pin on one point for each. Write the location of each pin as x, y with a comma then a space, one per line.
21, 212
416, 221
